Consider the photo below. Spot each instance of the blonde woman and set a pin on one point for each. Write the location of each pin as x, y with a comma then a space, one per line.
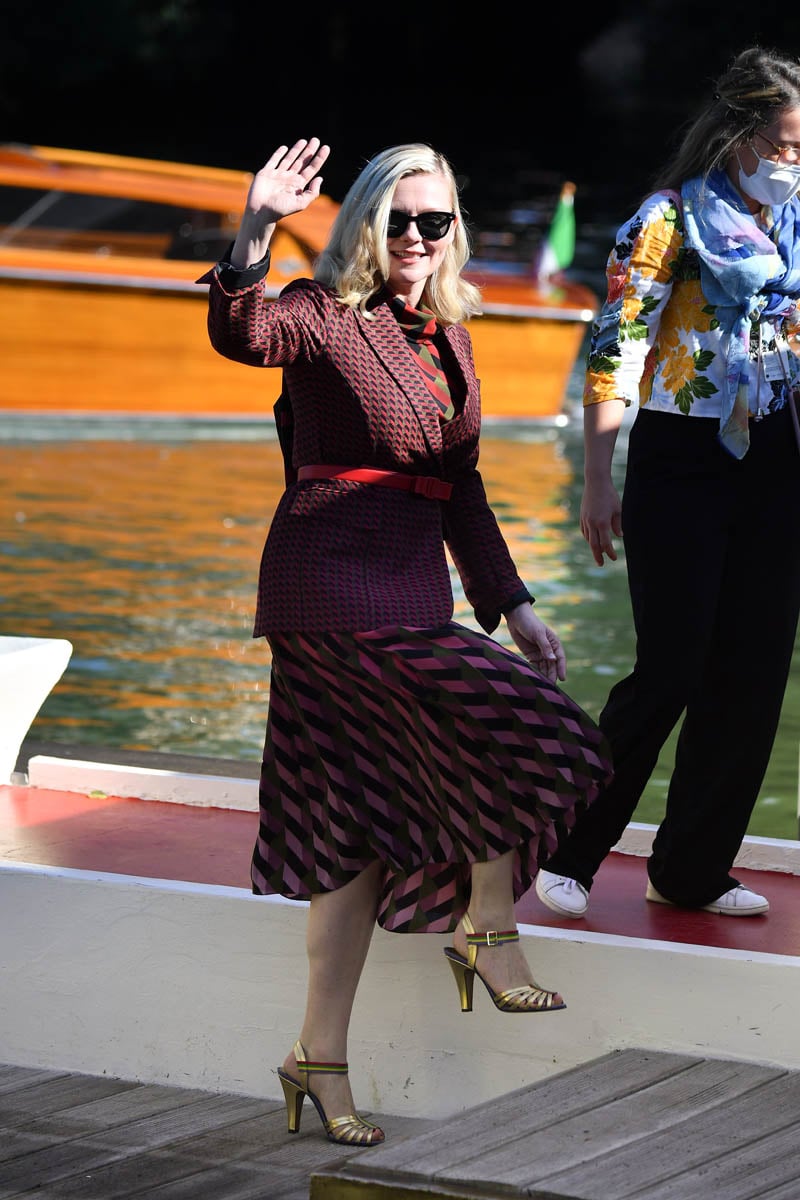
415, 771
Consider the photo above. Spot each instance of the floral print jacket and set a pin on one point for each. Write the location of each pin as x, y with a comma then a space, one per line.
656, 340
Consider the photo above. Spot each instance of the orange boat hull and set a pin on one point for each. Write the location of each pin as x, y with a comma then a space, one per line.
107, 350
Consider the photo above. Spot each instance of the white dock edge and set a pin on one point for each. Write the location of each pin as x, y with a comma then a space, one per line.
142, 783
217, 791
194, 986
199, 986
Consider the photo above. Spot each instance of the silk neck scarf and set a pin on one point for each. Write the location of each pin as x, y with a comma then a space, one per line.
746, 274
419, 326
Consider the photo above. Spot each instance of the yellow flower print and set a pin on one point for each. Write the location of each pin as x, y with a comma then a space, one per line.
669, 341
678, 369
631, 305
657, 248
689, 308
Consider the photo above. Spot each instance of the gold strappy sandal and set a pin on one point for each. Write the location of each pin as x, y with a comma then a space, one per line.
351, 1130
527, 999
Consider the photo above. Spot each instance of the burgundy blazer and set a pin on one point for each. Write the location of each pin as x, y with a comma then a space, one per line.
344, 556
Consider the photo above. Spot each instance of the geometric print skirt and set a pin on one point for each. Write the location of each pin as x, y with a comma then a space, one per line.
428, 749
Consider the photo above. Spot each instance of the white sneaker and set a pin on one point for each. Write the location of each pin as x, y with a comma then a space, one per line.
563, 895
738, 902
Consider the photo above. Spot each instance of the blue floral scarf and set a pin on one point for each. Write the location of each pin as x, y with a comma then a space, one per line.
746, 274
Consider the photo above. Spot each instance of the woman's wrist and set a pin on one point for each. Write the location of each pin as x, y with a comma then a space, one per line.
520, 598
251, 245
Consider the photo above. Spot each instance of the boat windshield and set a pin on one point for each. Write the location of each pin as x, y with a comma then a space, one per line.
111, 225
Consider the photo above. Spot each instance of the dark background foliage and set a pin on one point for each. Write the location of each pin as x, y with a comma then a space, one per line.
505, 91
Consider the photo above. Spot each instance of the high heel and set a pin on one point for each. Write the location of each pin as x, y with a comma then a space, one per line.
350, 1130
527, 999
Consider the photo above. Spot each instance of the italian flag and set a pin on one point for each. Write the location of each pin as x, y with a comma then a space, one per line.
558, 248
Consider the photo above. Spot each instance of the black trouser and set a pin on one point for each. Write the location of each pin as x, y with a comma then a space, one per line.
713, 556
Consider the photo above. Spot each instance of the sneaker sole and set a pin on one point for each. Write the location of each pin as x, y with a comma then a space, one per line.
755, 911
557, 908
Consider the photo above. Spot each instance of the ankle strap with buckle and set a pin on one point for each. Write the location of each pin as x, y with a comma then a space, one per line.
492, 937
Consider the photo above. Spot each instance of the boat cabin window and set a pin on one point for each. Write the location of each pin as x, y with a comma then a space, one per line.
103, 225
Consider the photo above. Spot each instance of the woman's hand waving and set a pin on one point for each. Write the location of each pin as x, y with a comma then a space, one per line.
287, 183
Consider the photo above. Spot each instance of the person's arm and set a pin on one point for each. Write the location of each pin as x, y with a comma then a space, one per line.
601, 508
640, 278
243, 324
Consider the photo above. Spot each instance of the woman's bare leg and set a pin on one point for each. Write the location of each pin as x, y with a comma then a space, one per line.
340, 927
491, 906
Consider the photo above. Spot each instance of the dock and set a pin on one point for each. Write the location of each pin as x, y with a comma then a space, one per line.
146, 997
630, 1125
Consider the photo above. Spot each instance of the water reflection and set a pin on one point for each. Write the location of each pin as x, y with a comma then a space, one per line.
142, 548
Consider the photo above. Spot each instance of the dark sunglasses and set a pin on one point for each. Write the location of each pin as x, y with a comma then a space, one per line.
431, 225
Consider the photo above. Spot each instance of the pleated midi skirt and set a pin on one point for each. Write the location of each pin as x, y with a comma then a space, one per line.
429, 749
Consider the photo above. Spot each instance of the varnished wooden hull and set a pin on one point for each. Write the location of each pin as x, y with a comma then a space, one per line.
76, 349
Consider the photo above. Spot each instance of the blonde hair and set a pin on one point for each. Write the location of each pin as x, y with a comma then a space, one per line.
355, 262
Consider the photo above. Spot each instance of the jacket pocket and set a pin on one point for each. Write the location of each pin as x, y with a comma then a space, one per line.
353, 505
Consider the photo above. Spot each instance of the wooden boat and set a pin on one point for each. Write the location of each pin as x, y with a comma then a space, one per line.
99, 257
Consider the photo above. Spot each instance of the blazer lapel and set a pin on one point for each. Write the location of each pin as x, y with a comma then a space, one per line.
471, 409
389, 344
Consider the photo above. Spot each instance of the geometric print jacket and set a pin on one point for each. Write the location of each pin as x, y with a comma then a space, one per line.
346, 556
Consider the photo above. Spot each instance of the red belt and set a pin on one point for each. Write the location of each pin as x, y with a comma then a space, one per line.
423, 485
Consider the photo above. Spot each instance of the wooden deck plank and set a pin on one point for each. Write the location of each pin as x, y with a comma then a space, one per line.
629, 1123
242, 1182
185, 1157
13, 1145
662, 1139
677, 1157
13, 1079
219, 1163
98, 1116
519, 1113
57, 1095
787, 1191
748, 1173
144, 1140
150, 1133
310, 1151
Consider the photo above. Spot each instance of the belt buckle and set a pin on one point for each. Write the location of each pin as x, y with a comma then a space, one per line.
426, 485
492, 938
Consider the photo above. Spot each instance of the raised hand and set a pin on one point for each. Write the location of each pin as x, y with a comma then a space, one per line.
288, 182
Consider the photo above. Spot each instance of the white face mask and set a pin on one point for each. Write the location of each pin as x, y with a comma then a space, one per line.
771, 182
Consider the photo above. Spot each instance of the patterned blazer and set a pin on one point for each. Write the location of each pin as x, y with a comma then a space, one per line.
346, 556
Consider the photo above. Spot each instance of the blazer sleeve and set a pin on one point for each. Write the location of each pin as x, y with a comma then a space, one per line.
477, 546
250, 327
472, 534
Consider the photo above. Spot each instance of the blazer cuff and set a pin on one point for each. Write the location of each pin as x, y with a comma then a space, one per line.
489, 618
519, 597
236, 279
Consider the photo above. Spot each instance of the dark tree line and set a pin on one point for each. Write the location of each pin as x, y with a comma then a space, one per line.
593, 97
